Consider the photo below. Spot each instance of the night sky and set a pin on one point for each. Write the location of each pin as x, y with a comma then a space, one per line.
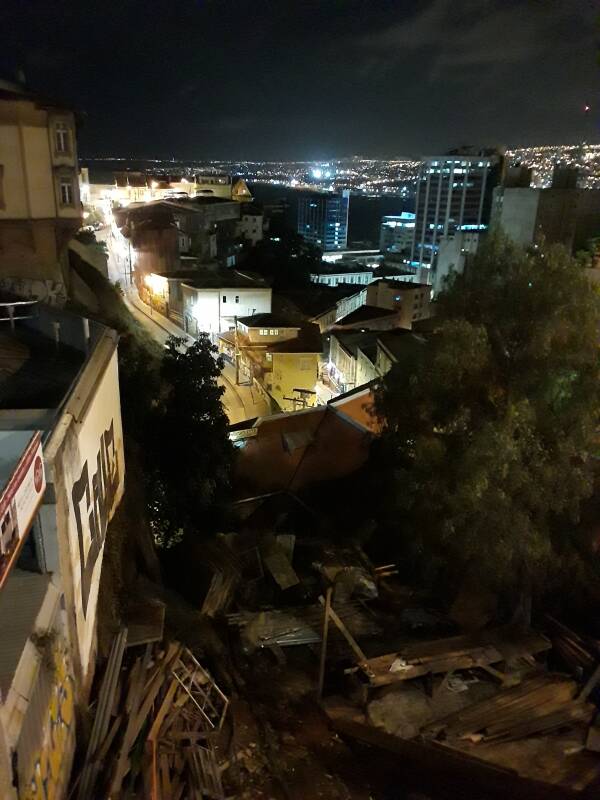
299, 79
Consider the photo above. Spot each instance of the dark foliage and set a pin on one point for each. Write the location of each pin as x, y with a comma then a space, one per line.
189, 454
490, 427
285, 259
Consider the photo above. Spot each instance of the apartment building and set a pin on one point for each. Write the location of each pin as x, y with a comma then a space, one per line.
40, 209
280, 356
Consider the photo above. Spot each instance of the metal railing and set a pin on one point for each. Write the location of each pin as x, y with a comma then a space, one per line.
13, 310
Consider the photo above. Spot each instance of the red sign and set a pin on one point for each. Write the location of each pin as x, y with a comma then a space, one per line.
19, 502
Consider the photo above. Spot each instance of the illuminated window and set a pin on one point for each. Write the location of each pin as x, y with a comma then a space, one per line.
61, 137
273, 333
269, 356
264, 332
66, 192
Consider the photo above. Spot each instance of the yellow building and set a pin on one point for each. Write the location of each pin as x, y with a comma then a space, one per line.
40, 209
241, 192
282, 357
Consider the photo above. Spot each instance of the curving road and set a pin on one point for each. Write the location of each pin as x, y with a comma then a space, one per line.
240, 402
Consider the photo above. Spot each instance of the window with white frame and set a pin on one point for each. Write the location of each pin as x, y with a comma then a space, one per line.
66, 192
62, 138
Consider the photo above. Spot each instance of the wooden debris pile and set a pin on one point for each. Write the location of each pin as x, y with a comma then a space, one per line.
539, 705
452, 653
156, 727
580, 654
297, 626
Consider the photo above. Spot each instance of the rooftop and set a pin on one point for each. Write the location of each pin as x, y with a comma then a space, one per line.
357, 403
315, 300
267, 320
37, 372
365, 313
309, 340
131, 179
398, 340
222, 278
34, 372
398, 283
10, 90
353, 341
340, 268
188, 274
294, 450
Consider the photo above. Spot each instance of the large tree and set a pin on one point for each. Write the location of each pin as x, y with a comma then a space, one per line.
190, 454
286, 259
489, 425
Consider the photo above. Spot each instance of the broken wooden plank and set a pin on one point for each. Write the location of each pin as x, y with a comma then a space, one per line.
220, 593
106, 700
162, 712
324, 635
345, 632
165, 777
286, 543
280, 568
132, 704
457, 652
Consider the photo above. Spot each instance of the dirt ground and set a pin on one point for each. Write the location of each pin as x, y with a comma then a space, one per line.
289, 750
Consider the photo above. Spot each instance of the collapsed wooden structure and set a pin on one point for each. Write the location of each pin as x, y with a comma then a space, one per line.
157, 722
518, 700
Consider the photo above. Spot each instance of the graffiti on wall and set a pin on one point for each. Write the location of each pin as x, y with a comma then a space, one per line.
52, 292
93, 496
47, 774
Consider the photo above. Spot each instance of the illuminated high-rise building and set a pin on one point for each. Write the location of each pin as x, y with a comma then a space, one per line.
454, 193
323, 218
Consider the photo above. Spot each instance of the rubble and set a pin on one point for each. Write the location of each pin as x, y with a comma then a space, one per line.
510, 708
157, 724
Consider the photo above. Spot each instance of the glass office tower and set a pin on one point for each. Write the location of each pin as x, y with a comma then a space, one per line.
323, 218
454, 193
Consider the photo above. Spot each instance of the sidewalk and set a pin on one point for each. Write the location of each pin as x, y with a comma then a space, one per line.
163, 322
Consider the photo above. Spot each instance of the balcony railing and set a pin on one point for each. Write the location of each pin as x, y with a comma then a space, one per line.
13, 310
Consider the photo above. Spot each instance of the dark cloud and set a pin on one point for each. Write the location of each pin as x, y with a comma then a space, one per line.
311, 78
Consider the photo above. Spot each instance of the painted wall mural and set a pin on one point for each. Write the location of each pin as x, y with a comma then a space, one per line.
93, 465
52, 292
48, 771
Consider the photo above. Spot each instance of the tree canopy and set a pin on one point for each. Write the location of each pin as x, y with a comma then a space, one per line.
286, 259
489, 426
190, 459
